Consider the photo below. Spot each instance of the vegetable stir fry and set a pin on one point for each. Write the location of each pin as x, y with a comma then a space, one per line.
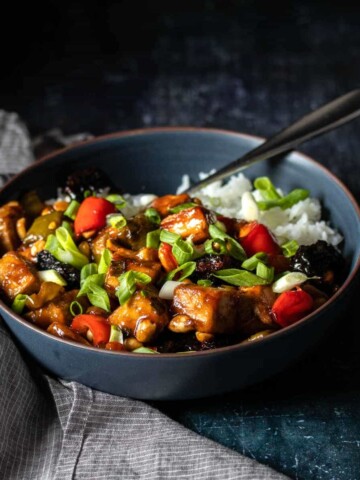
172, 277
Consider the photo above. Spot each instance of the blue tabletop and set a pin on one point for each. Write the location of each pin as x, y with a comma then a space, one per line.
240, 65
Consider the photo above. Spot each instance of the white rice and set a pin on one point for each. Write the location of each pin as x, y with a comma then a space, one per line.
302, 222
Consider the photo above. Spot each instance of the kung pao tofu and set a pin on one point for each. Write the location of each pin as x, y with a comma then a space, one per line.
171, 277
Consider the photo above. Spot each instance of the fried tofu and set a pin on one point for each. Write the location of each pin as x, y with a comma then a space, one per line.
218, 310
144, 315
189, 222
120, 265
17, 275
166, 202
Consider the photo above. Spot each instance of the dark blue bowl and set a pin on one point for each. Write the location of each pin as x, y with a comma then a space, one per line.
153, 161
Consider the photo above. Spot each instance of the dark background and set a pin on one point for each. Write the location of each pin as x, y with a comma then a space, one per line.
249, 66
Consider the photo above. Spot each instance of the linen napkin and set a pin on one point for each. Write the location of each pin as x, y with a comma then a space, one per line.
56, 430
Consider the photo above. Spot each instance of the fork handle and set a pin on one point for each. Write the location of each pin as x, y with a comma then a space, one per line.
327, 117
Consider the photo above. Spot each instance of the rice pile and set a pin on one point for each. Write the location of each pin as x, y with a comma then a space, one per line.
237, 199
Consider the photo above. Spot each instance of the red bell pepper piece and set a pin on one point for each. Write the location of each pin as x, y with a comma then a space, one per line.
92, 214
291, 306
255, 238
166, 257
98, 326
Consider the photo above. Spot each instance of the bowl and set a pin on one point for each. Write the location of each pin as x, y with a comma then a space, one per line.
154, 160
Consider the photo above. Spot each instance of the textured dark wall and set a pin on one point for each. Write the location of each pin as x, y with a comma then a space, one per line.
250, 66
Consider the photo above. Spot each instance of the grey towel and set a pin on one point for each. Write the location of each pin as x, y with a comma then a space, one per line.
57, 430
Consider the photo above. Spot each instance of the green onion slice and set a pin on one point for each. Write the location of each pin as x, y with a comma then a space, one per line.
168, 237
19, 303
76, 308
153, 239
105, 261
290, 248
217, 233
251, 263
116, 334
72, 209
204, 283
185, 271
87, 284
116, 220
239, 278
68, 227
98, 297
144, 350
266, 188
52, 276
63, 248
215, 246
128, 282
118, 200
265, 272
153, 215
87, 270
182, 251
288, 201
289, 281
233, 247
182, 206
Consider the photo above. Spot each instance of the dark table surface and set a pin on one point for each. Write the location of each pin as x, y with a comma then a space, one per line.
249, 66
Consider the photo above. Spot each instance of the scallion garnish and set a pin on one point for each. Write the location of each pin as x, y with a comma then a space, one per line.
116, 334
251, 263
86, 284
289, 281
233, 247
92, 286
63, 248
98, 297
182, 251
144, 350
153, 215
76, 308
118, 200
68, 227
72, 209
265, 272
182, 206
19, 303
87, 270
52, 276
215, 232
153, 239
105, 261
184, 270
239, 278
290, 248
215, 246
266, 188
128, 282
168, 237
116, 220
285, 202
204, 283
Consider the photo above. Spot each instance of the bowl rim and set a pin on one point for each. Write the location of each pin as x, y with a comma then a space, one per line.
283, 332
